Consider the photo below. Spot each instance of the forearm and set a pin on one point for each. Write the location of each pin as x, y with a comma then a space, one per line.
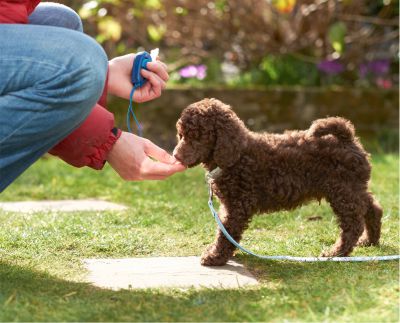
90, 144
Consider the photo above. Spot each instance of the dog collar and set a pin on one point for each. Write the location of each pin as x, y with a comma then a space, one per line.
213, 174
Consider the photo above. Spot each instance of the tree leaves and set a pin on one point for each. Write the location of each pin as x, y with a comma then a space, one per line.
110, 29
156, 32
336, 34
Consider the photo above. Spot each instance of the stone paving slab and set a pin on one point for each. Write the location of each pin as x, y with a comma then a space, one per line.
165, 272
60, 206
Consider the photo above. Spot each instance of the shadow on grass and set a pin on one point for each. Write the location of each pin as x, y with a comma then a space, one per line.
289, 291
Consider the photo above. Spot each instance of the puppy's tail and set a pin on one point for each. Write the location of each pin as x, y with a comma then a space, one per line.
339, 127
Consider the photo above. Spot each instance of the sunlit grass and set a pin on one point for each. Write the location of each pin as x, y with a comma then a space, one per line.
42, 278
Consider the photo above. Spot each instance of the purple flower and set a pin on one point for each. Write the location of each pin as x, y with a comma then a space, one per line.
363, 70
377, 67
190, 71
201, 72
330, 66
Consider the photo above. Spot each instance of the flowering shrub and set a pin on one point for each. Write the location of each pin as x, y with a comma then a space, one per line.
376, 67
331, 67
193, 71
375, 72
378, 72
311, 42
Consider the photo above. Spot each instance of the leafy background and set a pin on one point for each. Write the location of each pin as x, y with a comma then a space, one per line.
252, 42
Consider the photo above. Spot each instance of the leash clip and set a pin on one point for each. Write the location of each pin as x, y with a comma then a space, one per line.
210, 192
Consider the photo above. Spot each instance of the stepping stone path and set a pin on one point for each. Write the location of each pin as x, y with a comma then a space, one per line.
60, 206
132, 273
165, 272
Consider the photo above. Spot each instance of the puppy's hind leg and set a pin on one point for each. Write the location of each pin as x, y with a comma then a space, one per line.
235, 221
372, 218
350, 207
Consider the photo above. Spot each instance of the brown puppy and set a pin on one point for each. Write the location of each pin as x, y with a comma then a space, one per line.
263, 172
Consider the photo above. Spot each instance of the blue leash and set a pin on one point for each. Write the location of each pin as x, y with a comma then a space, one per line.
289, 258
140, 61
130, 112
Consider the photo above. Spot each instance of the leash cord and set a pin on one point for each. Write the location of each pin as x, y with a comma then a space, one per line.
290, 258
130, 112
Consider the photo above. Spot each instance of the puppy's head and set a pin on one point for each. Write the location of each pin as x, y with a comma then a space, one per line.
209, 132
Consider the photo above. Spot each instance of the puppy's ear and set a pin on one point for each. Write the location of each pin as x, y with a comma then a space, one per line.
231, 139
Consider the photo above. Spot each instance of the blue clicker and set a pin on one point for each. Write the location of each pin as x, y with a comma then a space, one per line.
141, 60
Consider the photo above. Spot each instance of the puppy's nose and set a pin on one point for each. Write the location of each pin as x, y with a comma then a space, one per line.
176, 155
177, 158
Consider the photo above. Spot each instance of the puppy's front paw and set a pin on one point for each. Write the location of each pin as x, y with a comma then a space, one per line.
327, 254
365, 241
211, 257
334, 253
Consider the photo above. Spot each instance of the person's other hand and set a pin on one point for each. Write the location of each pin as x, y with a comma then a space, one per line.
120, 84
130, 158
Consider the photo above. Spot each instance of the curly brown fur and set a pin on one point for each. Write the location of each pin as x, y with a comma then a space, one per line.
262, 173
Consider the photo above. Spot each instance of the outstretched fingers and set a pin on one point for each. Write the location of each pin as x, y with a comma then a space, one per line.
165, 166
151, 169
158, 153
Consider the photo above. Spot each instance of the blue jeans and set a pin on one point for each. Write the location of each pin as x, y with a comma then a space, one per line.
50, 78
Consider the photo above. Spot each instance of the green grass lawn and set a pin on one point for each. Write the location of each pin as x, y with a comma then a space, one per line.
42, 277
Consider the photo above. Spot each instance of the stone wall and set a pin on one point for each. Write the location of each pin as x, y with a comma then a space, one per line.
373, 112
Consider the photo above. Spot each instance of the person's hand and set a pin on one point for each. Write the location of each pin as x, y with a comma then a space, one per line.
120, 84
130, 158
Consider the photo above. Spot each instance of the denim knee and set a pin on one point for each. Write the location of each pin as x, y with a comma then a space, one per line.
90, 63
57, 15
61, 70
50, 80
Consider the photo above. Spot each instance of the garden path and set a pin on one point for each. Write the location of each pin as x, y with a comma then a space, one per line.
133, 273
